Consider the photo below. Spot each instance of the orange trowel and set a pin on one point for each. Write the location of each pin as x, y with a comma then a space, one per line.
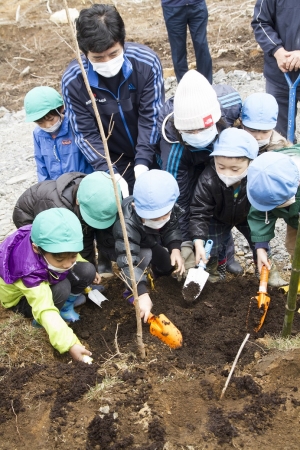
196, 277
165, 330
263, 299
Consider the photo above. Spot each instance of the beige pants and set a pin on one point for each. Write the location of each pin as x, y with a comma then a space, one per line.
290, 239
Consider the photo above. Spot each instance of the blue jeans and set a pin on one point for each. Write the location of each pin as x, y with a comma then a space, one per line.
195, 17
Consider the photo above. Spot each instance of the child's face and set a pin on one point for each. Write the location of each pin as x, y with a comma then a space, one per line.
231, 167
61, 261
259, 135
48, 121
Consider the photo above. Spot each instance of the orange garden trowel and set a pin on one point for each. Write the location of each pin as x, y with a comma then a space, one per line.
263, 299
165, 330
197, 277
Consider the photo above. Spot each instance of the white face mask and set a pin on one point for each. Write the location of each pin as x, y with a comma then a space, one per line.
109, 68
57, 269
229, 181
201, 139
156, 224
287, 203
263, 142
54, 127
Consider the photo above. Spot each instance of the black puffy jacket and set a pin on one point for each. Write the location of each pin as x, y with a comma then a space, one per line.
213, 199
59, 194
140, 236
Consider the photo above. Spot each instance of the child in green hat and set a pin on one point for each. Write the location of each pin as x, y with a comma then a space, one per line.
39, 276
55, 150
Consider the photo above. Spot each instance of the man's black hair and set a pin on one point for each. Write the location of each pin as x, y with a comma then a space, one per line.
99, 28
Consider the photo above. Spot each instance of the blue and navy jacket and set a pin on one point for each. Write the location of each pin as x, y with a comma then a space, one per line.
56, 154
135, 108
276, 24
184, 162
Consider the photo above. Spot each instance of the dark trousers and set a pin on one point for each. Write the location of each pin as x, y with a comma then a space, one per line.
81, 276
282, 96
177, 20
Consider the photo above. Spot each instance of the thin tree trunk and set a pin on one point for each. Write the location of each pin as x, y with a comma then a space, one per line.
140, 343
290, 306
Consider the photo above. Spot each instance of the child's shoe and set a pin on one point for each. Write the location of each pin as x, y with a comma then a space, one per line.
128, 295
98, 287
80, 300
222, 270
67, 312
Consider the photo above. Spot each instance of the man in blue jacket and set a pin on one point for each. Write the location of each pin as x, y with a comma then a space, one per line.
126, 80
276, 26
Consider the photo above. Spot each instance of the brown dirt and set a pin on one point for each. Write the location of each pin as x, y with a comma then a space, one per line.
170, 400
36, 38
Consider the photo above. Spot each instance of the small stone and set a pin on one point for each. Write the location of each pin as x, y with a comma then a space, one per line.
104, 409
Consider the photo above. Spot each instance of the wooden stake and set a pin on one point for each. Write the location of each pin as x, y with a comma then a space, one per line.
140, 343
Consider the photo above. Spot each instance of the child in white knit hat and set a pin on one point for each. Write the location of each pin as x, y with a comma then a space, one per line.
259, 118
190, 123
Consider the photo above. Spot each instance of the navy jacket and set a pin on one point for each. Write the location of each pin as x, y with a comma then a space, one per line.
184, 162
276, 24
57, 153
135, 108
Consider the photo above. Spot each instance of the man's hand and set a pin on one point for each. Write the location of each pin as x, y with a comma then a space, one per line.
145, 306
139, 169
123, 185
281, 57
293, 61
199, 251
176, 260
97, 279
77, 351
262, 259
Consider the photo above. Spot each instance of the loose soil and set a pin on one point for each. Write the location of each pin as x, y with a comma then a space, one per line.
46, 46
171, 399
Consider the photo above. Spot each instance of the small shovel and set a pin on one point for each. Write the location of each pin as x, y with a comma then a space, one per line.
197, 277
95, 296
165, 330
263, 299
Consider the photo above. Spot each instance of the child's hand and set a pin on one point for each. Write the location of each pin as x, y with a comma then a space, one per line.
97, 279
199, 251
145, 306
77, 351
262, 259
177, 260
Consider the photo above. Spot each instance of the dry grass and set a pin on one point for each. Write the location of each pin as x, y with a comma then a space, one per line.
22, 343
280, 343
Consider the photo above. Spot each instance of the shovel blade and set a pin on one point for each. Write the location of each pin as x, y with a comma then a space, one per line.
194, 283
96, 297
165, 330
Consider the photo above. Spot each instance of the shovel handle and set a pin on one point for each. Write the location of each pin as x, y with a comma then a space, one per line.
207, 248
263, 280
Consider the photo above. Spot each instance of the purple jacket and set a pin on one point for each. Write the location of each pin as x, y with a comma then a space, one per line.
18, 260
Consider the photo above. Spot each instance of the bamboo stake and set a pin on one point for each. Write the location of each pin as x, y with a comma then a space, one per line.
233, 365
140, 343
290, 306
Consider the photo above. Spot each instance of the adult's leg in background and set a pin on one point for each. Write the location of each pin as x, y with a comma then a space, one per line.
176, 23
197, 22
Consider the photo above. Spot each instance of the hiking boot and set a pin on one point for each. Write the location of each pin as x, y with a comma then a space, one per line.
104, 266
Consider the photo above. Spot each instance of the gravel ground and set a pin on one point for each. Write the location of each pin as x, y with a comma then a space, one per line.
17, 166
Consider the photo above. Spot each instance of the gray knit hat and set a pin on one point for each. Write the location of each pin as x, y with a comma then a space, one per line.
195, 103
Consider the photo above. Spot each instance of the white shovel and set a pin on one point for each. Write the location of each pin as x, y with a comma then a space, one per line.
197, 277
95, 296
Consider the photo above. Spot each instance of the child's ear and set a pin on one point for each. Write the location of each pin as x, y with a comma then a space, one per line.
35, 248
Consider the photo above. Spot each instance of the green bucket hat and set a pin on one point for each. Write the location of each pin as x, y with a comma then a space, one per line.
97, 202
57, 230
39, 101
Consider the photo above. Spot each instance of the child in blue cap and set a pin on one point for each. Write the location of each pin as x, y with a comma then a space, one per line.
259, 118
273, 191
152, 223
55, 150
39, 278
220, 201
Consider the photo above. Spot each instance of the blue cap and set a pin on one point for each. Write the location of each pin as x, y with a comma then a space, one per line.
260, 111
235, 143
155, 193
272, 179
